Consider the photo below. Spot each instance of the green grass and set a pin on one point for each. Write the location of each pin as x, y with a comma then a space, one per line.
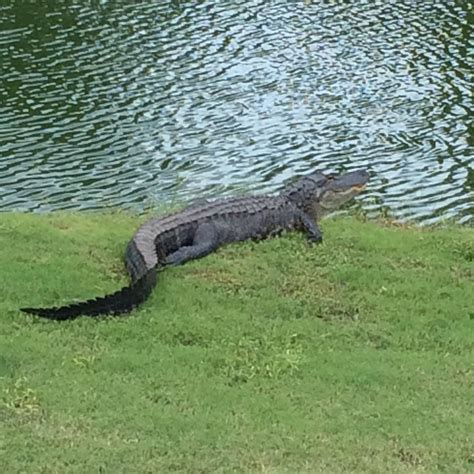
353, 356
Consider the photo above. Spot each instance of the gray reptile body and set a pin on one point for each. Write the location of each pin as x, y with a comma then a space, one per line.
201, 228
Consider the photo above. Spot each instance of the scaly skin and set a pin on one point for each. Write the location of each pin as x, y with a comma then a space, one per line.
201, 228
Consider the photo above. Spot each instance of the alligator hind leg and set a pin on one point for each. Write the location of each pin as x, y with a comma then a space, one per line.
205, 241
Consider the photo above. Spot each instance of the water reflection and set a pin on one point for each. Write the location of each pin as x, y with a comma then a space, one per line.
105, 105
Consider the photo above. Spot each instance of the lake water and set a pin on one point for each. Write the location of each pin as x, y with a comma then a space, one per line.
136, 104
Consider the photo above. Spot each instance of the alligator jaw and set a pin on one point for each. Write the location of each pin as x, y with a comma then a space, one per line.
340, 189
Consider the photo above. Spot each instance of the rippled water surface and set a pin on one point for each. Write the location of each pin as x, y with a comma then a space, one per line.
133, 104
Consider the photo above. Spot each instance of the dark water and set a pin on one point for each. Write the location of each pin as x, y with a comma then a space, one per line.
133, 104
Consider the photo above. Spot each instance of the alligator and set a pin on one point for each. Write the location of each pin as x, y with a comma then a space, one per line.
202, 227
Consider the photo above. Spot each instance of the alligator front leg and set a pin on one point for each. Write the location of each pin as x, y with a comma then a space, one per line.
205, 241
310, 226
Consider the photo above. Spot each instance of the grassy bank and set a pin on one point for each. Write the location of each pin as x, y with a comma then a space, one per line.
273, 357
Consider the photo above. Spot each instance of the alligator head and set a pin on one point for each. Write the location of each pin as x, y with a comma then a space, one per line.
319, 194
339, 189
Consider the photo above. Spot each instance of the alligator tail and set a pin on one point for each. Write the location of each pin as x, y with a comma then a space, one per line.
122, 301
